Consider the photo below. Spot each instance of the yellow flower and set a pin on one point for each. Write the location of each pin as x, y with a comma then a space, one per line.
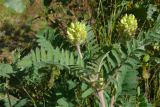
128, 24
77, 32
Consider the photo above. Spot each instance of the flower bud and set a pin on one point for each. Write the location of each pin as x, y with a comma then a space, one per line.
146, 58
156, 46
101, 80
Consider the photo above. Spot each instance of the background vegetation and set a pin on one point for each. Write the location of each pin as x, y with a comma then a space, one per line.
41, 68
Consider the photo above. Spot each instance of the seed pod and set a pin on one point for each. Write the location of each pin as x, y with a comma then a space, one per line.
145, 73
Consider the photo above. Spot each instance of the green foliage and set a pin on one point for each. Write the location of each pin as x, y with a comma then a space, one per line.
151, 10
48, 54
52, 73
87, 92
92, 47
6, 70
17, 5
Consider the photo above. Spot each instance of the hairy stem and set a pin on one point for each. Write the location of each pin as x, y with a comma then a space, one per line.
79, 51
101, 98
112, 102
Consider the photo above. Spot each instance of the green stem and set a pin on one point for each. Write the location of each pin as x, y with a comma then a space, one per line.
146, 88
6, 87
30, 97
9, 100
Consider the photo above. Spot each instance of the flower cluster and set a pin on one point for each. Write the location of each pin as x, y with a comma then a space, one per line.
128, 23
77, 33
